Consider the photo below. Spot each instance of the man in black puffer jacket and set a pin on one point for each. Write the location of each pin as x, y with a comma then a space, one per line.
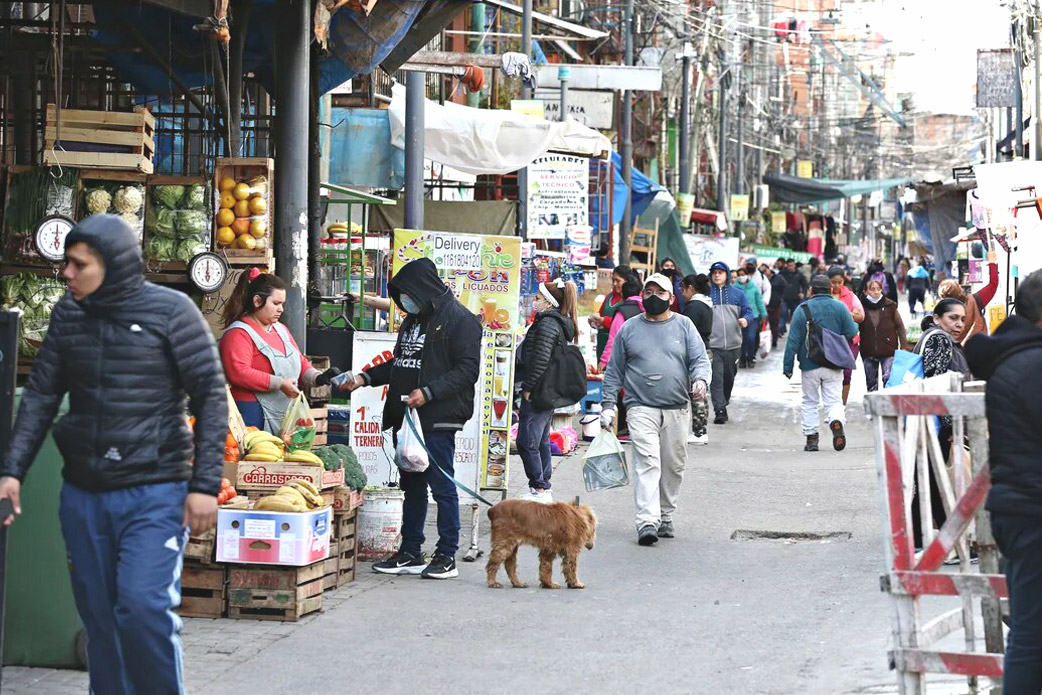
1011, 361
129, 354
435, 367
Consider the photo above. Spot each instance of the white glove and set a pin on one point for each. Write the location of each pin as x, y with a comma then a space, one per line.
607, 417
698, 390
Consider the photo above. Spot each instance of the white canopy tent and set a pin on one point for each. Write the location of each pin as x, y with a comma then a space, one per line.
492, 141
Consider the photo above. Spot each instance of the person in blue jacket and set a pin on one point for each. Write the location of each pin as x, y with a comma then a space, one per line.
731, 314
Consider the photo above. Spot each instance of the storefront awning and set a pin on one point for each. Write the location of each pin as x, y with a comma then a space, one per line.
793, 189
713, 217
492, 141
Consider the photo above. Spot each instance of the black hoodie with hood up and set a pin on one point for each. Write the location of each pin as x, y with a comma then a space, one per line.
1011, 362
129, 356
450, 357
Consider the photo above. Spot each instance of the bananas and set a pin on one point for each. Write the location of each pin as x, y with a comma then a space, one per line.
262, 446
295, 496
267, 458
252, 439
305, 457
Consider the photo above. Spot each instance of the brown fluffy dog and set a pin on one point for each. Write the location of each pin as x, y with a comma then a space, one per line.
557, 529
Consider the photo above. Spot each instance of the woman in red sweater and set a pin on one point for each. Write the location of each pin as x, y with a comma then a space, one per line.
262, 362
975, 303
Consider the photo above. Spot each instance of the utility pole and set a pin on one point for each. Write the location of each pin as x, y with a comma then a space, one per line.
685, 111
1036, 139
688, 184
564, 73
626, 151
526, 93
477, 24
721, 175
1018, 86
415, 94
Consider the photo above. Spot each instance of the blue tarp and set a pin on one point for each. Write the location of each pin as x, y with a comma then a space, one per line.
356, 43
644, 191
360, 151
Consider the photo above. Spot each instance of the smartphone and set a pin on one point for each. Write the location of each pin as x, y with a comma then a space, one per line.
6, 508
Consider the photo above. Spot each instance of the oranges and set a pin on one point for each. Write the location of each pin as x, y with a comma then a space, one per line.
258, 228
245, 241
225, 217
241, 191
227, 184
258, 206
242, 208
227, 201
241, 226
225, 236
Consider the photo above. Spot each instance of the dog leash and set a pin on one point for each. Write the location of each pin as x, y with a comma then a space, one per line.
430, 457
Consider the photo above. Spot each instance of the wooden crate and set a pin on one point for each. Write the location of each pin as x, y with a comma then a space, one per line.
241, 169
155, 266
319, 395
100, 139
274, 593
321, 417
344, 531
331, 573
203, 591
346, 500
200, 548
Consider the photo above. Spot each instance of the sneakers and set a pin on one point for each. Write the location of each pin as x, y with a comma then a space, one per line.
665, 529
400, 563
440, 567
536, 494
647, 535
721, 417
839, 439
812, 443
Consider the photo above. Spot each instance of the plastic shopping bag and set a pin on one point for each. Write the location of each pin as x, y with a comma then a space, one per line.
411, 454
604, 466
765, 341
907, 367
298, 427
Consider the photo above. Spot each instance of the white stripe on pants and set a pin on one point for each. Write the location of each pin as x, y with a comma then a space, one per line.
826, 386
659, 440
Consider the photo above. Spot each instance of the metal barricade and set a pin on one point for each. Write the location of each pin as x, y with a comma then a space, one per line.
907, 447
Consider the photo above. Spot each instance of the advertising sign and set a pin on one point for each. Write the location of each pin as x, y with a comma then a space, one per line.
805, 169
373, 446
739, 207
592, 109
558, 195
484, 274
704, 251
769, 254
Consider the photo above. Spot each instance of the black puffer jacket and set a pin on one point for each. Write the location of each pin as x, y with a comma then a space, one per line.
550, 329
1011, 361
451, 351
129, 356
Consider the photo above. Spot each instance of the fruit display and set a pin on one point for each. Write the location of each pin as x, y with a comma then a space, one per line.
124, 199
341, 230
304, 457
295, 496
177, 222
263, 446
227, 493
337, 456
242, 213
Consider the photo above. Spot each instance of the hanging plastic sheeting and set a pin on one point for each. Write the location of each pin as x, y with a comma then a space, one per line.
644, 191
360, 152
482, 141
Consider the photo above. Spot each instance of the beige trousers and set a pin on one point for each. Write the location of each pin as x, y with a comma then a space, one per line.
659, 439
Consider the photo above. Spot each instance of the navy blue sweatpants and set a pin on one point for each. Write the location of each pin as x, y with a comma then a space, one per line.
125, 551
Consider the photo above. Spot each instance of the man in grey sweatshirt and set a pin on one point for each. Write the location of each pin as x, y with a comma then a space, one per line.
661, 362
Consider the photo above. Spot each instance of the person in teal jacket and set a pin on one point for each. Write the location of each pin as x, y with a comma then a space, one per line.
751, 333
819, 383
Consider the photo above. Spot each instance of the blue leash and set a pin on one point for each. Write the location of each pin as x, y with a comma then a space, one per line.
430, 457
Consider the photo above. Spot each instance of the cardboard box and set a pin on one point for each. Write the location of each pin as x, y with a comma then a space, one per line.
273, 538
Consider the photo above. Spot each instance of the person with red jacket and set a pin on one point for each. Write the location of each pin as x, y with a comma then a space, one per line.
838, 279
262, 362
602, 322
975, 302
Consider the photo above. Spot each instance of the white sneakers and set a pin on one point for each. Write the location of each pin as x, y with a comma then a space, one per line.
537, 495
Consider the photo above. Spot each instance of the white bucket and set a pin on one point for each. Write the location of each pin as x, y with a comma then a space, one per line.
380, 523
591, 422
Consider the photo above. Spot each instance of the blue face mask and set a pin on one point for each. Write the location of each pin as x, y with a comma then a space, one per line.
409, 304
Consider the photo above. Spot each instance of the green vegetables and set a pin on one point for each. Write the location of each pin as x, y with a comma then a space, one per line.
337, 456
178, 222
36, 297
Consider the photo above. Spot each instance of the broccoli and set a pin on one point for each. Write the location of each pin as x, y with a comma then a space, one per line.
354, 476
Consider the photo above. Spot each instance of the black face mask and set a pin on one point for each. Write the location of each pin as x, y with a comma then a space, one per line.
670, 272
655, 306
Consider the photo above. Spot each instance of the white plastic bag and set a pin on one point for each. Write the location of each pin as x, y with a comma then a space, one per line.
411, 454
604, 466
765, 341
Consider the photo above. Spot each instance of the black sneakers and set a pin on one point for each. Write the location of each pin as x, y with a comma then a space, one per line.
440, 567
400, 563
721, 417
647, 535
812, 443
665, 529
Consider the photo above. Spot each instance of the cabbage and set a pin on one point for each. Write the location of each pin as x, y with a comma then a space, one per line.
128, 200
195, 199
188, 249
161, 248
191, 223
98, 201
169, 196
160, 221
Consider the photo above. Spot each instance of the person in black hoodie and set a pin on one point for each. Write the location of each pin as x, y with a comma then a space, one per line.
699, 308
130, 355
435, 368
555, 324
1011, 362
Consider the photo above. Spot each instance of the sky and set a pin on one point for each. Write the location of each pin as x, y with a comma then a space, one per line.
944, 36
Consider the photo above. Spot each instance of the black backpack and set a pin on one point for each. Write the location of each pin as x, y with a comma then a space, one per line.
564, 381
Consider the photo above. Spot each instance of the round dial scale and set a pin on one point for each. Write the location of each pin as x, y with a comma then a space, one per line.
207, 271
50, 237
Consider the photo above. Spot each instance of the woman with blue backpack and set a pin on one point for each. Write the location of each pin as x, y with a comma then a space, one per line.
556, 306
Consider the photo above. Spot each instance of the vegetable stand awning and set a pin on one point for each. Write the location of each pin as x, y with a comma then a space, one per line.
496, 141
793, 189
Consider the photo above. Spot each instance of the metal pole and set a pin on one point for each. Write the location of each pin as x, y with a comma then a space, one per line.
626, 151
696, 130
564, 73
1018, 87
314, 170
526, 93
739, 176
1036, 138
292, 82
414, 145
9, 331
477, 23
685, 115
721, 177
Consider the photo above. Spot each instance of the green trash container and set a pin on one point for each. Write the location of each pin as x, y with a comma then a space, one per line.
42, 627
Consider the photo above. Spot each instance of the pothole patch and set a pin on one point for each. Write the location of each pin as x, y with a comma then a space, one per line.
791, 536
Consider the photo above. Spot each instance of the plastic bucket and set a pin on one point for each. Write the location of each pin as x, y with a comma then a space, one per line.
591, 423
380, 523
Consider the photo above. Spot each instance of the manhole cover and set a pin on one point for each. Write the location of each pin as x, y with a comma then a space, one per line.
790, 536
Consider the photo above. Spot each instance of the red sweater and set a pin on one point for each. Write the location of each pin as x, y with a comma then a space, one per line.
245, 368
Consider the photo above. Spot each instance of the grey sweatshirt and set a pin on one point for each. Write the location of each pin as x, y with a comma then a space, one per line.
656, 362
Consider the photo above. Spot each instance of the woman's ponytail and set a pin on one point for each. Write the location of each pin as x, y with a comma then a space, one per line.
567, 296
